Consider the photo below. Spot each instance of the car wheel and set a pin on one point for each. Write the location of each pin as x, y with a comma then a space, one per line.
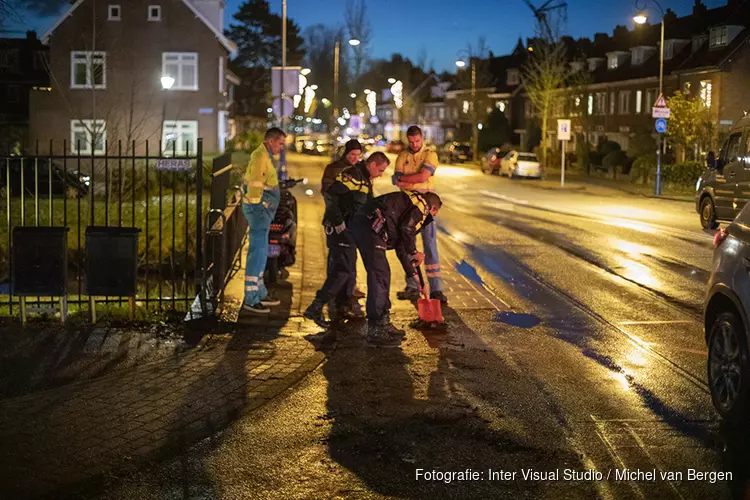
708, 214
728, 367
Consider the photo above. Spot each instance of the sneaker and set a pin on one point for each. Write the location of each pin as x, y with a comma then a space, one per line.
270, 300
315, 313
438, 295
408, 294
256, 308
379, 337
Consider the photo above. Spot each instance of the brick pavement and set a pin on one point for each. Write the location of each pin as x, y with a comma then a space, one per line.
55, 442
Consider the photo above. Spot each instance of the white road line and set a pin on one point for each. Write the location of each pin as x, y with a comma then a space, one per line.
665, 322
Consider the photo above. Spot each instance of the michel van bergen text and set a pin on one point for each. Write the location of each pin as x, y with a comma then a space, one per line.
640, 475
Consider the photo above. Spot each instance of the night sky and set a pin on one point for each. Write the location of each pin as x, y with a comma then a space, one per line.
442, 27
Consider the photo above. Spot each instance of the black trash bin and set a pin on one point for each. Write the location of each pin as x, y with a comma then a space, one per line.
111, 263
40, 264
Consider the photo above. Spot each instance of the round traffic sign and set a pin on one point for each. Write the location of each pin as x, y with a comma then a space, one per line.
661, 125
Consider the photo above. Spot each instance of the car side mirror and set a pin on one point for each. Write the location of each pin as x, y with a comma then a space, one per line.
711, 160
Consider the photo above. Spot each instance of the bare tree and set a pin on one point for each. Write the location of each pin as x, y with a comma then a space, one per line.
358, 26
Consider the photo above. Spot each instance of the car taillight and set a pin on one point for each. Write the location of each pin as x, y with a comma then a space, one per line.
720, 236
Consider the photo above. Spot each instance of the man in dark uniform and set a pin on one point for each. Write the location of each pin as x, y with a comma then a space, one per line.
389, 222
351, 190
351, 156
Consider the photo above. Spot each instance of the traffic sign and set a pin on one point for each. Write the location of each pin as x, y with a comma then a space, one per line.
660, 102
563, 130
661, 125
660, 112
283, 111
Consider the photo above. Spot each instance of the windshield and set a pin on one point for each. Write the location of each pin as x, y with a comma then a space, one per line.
527, 156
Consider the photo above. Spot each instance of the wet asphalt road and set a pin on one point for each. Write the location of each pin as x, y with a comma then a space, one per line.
596, 364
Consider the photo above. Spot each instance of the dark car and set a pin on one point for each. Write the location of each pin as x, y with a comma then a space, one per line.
68, 183
455, 152
724, 188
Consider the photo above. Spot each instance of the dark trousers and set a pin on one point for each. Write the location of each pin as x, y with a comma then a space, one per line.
372, 248
342, 268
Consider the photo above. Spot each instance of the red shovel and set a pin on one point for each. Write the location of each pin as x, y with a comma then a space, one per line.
429, 309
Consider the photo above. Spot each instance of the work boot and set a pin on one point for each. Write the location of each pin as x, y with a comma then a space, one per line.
356, 310
394, 331
315, 313
380, 336
358, 294
439, 295
408, 294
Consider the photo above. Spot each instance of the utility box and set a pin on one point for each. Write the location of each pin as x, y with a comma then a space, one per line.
111, 261
40, 261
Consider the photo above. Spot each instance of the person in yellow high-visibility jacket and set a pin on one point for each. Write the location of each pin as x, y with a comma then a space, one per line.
414, 171
261, 195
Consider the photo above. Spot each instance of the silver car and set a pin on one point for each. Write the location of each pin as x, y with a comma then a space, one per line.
726, 320
516, 164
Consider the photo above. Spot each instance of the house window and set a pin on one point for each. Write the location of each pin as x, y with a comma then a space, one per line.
13, 94
442, 113
514, 77
624, 102
222, 83
183, 67
592, 64
154, 12
180, 137
668, 50
88, 70
638, 56
500, 105
612, 103
718, 37
601, 103
113, 13
698, 41
638, 101
84, 133
590, 105
706, 88
465, 107
529, 109
612, 61
650, 98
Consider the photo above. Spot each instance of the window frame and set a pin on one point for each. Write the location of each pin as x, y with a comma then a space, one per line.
623, 101
638, 101
170, 125
111, 17
178, 84
513, 77
90, 55
151, 18
87, 125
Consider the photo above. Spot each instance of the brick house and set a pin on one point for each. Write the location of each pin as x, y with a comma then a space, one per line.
106, 63
22, 69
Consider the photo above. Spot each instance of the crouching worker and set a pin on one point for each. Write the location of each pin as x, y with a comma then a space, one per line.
390, 222
351, 190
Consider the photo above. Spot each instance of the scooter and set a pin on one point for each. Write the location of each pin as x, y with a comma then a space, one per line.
282, 238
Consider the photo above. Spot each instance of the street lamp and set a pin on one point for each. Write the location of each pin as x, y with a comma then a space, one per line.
306, 71
166, 83
336, 58
354, 42
641, 18
353, 95
461, 63
391, 81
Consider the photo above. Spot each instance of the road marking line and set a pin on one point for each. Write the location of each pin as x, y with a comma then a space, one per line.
665, 322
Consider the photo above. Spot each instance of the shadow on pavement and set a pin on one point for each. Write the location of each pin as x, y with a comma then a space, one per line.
437, 405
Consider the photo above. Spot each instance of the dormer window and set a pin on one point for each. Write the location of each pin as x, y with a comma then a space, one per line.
698, 42
719, 36
513, 77
616, 59
576, 66
638, 56
594, 63
154, 12
612, 62
668, 50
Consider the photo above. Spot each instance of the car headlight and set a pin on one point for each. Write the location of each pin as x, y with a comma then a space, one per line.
698, 184
309, 144
86, 179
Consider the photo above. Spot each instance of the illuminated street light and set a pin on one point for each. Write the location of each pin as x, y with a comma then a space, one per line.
306, 71
460, 63
354, 42
397, 90
353, 95
167, 82
314, 87
640, 18
309, 96
391, 81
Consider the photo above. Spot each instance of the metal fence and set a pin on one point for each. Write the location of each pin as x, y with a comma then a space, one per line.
130, 185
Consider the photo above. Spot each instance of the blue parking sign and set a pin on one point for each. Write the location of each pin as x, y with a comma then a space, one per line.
661, 125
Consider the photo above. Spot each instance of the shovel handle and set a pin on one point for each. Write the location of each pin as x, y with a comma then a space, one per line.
421, 281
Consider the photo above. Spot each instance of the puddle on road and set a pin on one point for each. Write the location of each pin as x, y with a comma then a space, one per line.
520, 320
469, 272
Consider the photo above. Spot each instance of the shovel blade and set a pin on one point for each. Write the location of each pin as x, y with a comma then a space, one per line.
430, 310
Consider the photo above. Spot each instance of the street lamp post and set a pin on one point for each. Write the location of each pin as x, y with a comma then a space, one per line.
336, 57
641, 18
474, 122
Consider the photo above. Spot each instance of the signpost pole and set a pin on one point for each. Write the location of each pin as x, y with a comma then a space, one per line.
562, 176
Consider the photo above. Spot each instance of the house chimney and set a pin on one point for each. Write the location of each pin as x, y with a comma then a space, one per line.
31, 36
213, 10
699, 9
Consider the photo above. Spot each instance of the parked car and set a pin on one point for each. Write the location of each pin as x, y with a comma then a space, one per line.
518, 164
64, 182
724, 188
455, 152
491, 161
727, 331
322, 147
395, 147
